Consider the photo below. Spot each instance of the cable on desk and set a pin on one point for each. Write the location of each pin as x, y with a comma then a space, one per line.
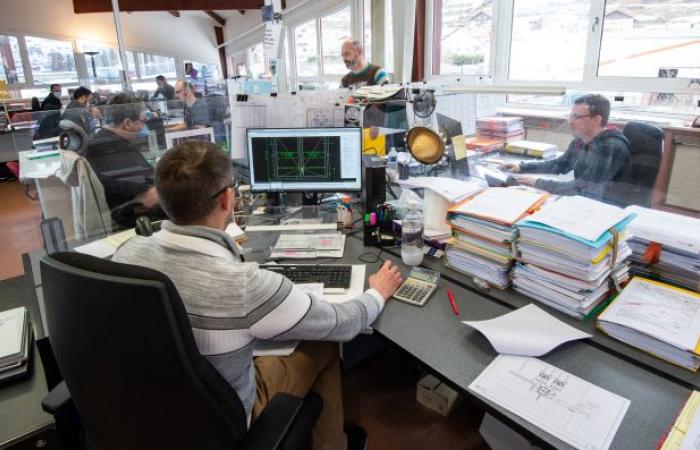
375, 258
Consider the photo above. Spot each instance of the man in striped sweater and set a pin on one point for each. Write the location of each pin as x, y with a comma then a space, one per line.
231, 304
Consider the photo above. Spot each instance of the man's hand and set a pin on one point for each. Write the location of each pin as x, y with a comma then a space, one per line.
387, 280
148, 198
509, 167
525, 180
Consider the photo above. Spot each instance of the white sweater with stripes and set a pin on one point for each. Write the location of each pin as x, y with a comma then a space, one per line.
231, 303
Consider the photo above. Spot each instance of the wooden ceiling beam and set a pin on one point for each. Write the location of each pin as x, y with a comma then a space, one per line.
217, 18
94, 6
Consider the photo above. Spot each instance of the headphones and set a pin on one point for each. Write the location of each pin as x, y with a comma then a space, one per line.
72, 137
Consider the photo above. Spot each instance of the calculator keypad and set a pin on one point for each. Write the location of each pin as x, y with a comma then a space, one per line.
414, 292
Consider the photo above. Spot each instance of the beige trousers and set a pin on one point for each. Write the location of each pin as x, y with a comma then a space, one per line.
312, 366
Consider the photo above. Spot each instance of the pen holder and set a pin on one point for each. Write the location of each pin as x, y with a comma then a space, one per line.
370, 235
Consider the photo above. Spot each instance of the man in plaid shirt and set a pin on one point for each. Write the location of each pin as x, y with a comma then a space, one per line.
599, 157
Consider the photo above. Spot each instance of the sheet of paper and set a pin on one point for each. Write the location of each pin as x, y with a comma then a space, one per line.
452, 190
565, 406
580, 216
692, 436
527, 331
292, 227
459, 145
11, 331
502, 204
104, 248
674, 230
664, 312
325, 245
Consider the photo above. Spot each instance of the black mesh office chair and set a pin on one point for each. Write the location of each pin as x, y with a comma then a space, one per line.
132, 370
646, 147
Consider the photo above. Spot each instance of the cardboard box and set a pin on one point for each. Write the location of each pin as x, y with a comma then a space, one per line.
435, 395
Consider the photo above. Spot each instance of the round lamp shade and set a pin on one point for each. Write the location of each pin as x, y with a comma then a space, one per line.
425, 145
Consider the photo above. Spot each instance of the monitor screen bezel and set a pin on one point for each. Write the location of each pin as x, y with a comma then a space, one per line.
249, 151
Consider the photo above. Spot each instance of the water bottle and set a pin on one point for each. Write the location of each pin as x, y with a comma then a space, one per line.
391, 159
412, 236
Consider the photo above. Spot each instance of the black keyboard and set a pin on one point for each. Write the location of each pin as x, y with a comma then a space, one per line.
331, 275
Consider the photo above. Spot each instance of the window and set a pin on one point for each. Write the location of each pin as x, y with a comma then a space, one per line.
12, 70
51, 61
389, 38
335, 29
367, 29
547, 46
154, 65
306, 49
463, 37
256, 61
651, 39
103, 64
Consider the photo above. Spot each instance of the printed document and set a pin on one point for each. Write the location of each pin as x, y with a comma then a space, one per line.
674, 230
504, 205
571, 409
580, 216
528, 331
324, 245
659, 310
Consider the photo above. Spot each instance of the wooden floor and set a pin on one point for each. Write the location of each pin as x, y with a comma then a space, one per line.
19, 228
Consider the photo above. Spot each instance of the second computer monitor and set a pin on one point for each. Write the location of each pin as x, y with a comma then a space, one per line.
305, 159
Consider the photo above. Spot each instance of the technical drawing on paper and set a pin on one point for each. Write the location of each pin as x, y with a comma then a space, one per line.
574, 410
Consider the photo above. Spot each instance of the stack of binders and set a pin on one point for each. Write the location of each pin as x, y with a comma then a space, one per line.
572, 253
483, 232
503, 129
658, 318
15, 343
665, 246
531, 148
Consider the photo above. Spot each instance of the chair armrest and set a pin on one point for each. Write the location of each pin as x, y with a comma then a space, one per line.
58, 401
270, 428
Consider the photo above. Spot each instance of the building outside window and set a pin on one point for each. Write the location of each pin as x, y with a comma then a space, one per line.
463, 37
51, 61
335, 29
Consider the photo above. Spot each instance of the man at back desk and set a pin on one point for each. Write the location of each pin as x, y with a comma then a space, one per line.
599, 157
231, 304
195, 110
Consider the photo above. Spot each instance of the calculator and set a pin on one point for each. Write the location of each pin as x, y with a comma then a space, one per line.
418, 287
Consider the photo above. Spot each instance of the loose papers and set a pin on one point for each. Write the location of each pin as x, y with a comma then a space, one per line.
565, 406
528, 331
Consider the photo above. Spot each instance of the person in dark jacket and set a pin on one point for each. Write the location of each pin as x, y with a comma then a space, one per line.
600, 157
79, 110
124, 172
53, 100
165, 91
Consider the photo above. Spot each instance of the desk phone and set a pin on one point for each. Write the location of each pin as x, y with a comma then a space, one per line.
418, 287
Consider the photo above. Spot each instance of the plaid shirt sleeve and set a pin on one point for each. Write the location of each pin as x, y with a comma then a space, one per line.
563, 164
607, 157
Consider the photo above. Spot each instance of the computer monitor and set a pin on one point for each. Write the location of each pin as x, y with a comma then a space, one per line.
195, 134
449, 126
305, 159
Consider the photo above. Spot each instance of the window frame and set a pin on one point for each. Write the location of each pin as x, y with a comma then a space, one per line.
499, 66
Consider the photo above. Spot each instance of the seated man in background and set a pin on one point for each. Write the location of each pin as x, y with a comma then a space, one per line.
232, 304
196, 111
80, 112
600, 157
53, 100
124, 172
165, 91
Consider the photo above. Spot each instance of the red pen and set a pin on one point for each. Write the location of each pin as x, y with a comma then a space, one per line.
451, 296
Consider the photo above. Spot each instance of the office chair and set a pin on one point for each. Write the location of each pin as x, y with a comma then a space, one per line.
132, 370
646, 147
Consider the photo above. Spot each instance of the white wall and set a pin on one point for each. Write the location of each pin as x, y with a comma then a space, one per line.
156, 32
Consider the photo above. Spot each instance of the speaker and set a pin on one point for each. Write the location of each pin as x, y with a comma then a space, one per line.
373, 182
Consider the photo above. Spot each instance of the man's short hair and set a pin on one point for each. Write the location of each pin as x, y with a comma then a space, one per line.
187, 178
123, 106
355, 43
81, 92
53, 86
160, 78
597, 106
